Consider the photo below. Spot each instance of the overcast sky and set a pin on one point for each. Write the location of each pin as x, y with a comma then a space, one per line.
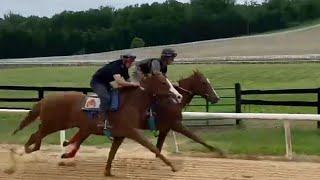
51, 7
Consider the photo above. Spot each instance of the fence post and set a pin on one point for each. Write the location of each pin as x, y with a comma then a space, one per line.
318, 123
207, 106
40, 93
238, 101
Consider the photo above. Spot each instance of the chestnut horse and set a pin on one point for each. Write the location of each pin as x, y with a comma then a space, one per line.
168, 115
64, 111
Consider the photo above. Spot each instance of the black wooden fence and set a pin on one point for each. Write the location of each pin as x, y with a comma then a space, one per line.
240, 101
41, 92
238, 97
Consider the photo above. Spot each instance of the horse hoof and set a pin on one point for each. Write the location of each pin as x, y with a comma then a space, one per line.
216, 150
220, 153
65, 143
108, 174
10, 170
174, 169
65, 156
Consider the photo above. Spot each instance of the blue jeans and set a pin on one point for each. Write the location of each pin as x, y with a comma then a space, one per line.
103, 93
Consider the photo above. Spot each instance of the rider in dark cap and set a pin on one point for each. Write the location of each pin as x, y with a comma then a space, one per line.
116, 73
153, 65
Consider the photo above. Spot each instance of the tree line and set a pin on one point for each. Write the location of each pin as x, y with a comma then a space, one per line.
106, 28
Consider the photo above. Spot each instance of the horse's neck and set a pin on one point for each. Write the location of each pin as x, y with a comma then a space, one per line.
186, 96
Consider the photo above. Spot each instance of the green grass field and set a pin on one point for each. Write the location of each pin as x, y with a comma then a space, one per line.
258, 139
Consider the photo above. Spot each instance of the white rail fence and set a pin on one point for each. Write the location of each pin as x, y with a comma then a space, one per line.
287, 118
86, 60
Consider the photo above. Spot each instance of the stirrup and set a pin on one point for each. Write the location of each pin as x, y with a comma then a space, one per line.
107, 129
107, 124
152, 124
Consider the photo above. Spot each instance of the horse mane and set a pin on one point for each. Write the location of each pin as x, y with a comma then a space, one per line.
196, 72
127, 89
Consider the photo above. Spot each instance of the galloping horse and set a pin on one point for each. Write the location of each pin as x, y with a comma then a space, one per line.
169, 115
64, 111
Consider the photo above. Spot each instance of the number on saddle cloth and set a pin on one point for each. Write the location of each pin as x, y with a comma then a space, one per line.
92, 104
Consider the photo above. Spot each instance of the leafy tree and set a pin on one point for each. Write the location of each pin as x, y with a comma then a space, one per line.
137, 43
106, 28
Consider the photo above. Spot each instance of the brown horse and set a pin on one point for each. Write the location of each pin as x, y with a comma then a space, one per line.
64, 111
169, 115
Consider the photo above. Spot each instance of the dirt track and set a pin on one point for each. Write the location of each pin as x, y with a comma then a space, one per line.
142, 165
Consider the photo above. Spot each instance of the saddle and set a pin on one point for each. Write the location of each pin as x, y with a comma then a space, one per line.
92, 102
92, 108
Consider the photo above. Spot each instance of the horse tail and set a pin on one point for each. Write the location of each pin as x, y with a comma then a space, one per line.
31, 117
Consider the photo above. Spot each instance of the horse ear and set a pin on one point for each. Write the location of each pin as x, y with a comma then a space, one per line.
195, 71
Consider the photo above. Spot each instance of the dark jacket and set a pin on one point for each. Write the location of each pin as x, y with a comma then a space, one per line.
105, 74
153, 64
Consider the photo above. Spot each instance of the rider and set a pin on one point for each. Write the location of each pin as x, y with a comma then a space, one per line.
115, 72
152, 65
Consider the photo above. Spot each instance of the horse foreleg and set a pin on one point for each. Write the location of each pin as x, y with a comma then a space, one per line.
83, 137
183, 130
161, 139
117, 141
135, 135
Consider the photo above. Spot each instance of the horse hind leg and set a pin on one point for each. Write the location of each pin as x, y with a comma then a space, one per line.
114, 148
35, 138
82, 136
183, 130
135, 135
74, 139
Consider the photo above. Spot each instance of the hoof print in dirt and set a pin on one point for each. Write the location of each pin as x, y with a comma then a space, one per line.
10, 171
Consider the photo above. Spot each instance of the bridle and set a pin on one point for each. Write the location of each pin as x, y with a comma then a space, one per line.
205, 96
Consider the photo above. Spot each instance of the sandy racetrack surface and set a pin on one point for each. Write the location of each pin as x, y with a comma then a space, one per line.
141, 164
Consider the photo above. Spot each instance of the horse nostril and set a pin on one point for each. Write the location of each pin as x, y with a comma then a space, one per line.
179, 97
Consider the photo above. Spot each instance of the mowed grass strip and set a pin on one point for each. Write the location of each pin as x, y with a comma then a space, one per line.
258, 139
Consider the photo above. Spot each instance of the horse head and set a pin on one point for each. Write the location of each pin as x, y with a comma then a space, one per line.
198, 84
159, 85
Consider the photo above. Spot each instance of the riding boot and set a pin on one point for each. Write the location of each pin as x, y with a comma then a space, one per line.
103, 113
